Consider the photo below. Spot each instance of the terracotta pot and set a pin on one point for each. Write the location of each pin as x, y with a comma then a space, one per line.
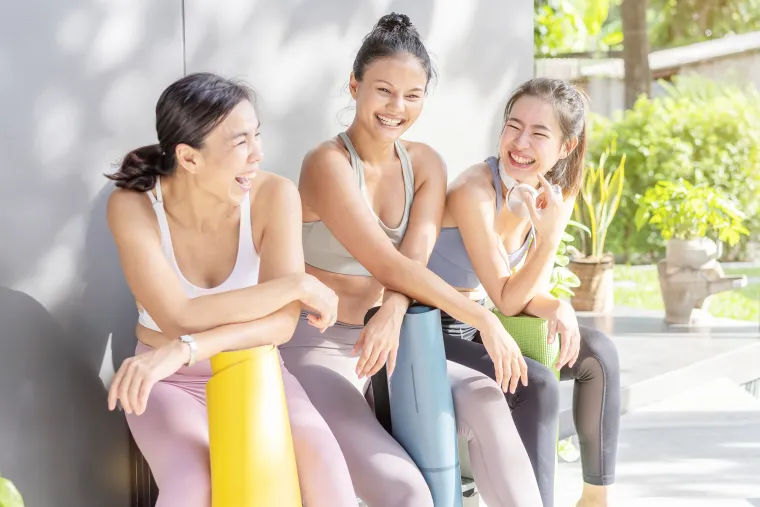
595, 293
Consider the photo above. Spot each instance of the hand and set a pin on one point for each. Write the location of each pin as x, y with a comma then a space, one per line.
378, 342
137, 375
564, 322
549, 213
507, 358
321, 299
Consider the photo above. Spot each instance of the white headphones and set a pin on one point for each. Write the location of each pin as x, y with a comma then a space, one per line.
516, 200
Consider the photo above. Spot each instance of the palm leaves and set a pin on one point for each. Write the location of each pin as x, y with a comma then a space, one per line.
598, 202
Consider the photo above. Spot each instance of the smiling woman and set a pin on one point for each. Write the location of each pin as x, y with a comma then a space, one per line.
372, 206
490, 249
211, 250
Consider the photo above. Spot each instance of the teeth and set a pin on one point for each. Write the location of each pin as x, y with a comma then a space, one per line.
390, 122
522, 160
243, 180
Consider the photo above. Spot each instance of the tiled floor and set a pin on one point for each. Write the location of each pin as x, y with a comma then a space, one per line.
698, 449
690, 435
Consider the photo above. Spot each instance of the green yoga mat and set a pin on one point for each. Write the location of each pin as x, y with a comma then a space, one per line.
530, 334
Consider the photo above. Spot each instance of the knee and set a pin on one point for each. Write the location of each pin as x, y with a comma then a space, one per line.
410, 490
319, 449
189, 488
542, 389
602, 349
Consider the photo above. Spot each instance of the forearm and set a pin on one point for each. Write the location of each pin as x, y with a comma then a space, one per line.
275, 329
529, 281
242, 306
419, 283
542, 305
416, 252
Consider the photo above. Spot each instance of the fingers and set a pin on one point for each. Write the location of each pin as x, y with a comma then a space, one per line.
577, 349
113, 392
507, 373
532, 210
142, 399
133, 391
124, 388
392, 361
499, 372
516, 373
371, 362
360, 342
565, 347
552, 333
366, 354
316, 321
549, 189
523, 371
382, 358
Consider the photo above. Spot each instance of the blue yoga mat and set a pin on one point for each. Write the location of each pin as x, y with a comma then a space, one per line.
418, 409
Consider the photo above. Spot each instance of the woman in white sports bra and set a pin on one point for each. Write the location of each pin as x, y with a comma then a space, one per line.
372, 207
210, 247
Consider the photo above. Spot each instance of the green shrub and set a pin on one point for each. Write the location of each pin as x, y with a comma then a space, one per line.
683, 211
699, 131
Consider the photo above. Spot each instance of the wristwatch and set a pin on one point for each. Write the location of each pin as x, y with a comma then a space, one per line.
193, 348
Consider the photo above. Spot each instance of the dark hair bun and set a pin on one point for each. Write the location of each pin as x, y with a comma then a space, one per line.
393, 34
395, 23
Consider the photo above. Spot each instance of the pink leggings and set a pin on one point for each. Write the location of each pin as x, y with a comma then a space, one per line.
383, 473
172, 434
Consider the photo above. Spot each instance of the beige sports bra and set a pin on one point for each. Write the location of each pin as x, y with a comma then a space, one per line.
320, 247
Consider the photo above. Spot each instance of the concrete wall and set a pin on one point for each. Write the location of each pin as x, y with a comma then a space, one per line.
299, 59
78, 81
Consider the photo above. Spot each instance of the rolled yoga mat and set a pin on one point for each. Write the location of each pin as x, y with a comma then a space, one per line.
420, 411
530, 334
252, 458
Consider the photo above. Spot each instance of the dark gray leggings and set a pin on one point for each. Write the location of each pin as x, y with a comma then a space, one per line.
535, 408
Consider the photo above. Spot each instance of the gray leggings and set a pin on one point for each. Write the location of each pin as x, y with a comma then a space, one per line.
383, 474
535, 408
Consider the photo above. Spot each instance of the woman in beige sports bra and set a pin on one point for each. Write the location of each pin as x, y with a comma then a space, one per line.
372, 207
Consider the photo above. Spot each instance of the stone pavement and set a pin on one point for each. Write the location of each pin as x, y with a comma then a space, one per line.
690, 431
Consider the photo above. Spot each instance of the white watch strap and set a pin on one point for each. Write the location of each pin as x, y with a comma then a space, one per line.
190, 341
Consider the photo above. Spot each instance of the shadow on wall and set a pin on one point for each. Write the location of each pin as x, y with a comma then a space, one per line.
53, 410
104, 315
79, 80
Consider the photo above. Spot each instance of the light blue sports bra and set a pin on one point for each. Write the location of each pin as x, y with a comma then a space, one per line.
449, 259
320, 247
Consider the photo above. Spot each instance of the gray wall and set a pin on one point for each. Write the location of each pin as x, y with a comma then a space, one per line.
78, 84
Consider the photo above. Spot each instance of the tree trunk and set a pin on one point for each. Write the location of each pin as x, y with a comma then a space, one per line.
638, 78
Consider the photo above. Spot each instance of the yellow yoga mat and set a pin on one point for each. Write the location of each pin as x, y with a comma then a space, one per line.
252, 459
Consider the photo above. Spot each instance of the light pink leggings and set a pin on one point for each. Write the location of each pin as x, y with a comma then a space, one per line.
383, 473
172, 434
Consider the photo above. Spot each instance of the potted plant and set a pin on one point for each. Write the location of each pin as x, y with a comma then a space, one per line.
9, 495
691, 218
595, 208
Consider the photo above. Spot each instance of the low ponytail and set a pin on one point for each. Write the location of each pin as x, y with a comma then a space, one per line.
141, 168
572, 177
568, 172
187, 111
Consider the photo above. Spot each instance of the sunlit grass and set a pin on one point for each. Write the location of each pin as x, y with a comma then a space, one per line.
638, 287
